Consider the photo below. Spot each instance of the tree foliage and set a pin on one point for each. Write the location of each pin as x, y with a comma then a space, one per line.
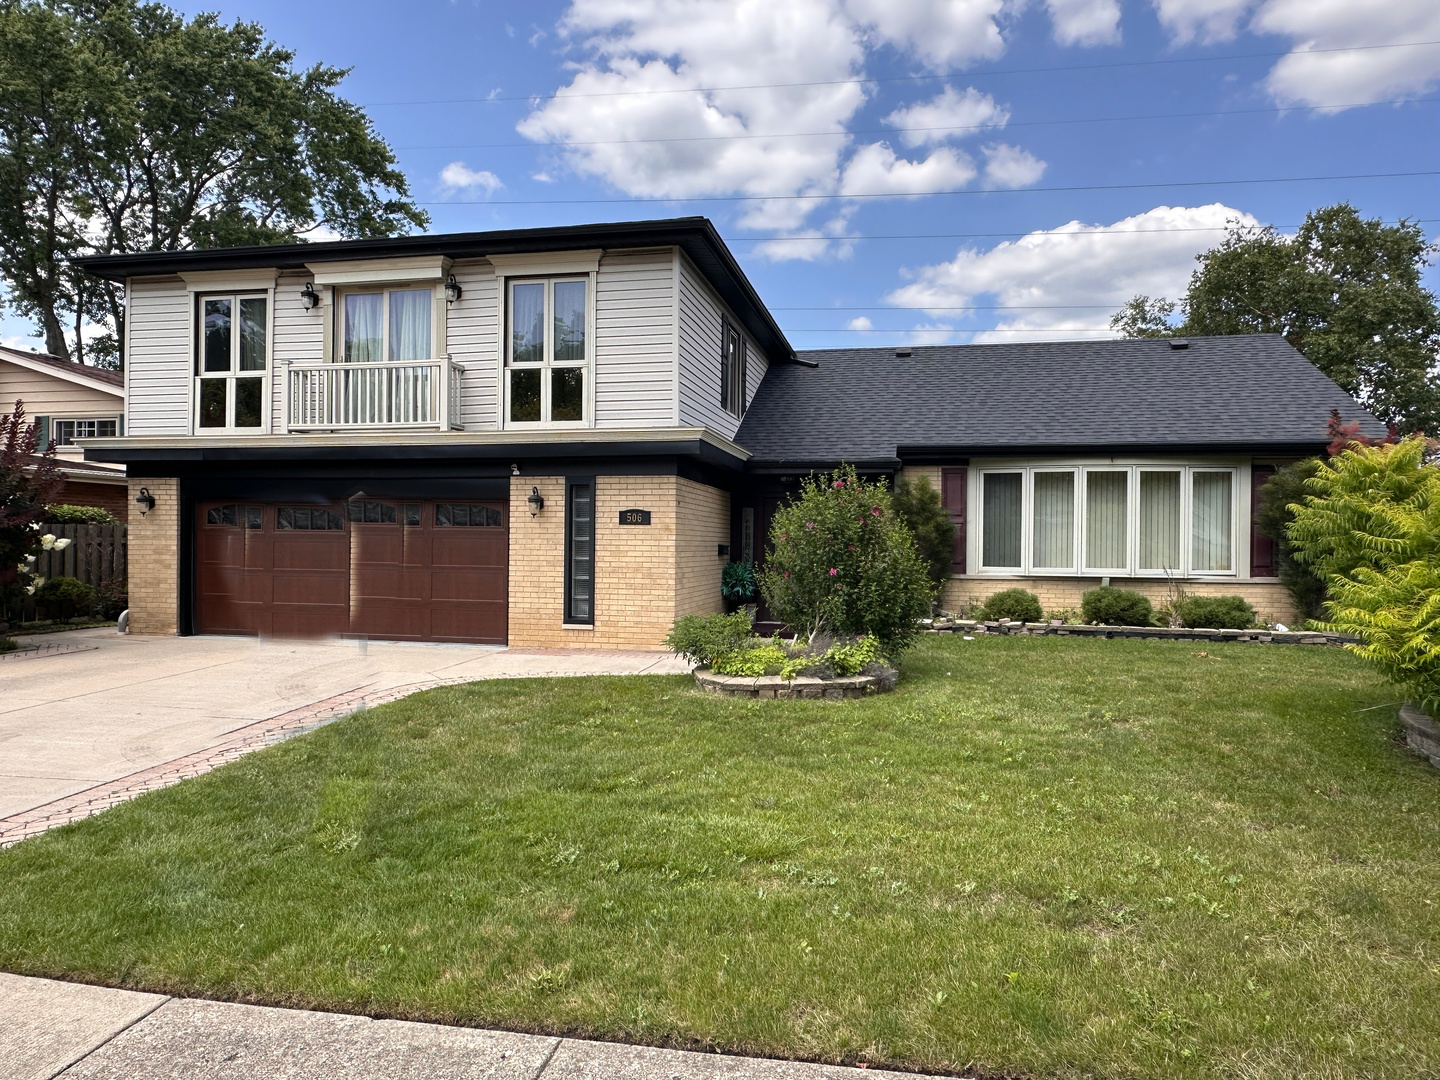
1345, 291
919, 506
1279, 498
29, 480
125, 128
841, 561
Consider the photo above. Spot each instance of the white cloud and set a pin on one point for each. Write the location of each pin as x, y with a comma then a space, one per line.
1205, 21
875, 169
1085, 22
947, 116
457, 176
860, 322
1070, 280
941, 33
1310, 78
1010, 166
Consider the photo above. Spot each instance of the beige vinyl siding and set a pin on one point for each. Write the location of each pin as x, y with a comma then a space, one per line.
158, 362
472, 338
50, 395
701, 314
299, 336
635, 339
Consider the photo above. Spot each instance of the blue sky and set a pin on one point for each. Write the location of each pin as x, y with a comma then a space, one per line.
500, 113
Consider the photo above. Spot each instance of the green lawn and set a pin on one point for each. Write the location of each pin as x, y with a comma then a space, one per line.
1049, 857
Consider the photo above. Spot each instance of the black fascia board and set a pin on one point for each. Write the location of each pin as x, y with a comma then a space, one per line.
696, 236
941, 455
804, 468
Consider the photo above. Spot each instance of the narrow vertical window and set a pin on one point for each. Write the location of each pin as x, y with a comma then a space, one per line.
1160, 520
732, 370
580, 551
1002, 498
1210, 528
1053, 527
1106, 510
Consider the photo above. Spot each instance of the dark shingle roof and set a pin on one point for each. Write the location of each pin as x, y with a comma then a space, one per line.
864, 405
114, 378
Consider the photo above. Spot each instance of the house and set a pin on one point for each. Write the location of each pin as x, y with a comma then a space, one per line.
70, 402
558, 437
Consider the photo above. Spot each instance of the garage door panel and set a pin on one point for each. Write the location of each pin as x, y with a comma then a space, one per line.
488, 549
299, 551
481, 624
329, 589
469, 585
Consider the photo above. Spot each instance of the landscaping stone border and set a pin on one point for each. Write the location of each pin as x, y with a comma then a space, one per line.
1156, 633
802, 686
1422, 733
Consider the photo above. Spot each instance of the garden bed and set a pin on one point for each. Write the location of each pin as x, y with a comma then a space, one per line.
802, 686
1157, 633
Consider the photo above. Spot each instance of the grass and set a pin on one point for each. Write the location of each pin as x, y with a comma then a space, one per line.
1039, 856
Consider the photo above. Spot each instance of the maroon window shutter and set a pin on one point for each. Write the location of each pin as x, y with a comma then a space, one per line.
952, 494
1262, 548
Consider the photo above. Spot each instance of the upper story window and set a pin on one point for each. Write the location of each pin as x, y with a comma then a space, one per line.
65, 432
231, 361
1106, 520
548, 352
732, 371
386, 324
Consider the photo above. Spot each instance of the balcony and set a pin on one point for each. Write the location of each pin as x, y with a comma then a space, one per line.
417, 395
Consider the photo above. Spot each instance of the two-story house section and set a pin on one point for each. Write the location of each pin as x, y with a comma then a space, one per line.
519, 437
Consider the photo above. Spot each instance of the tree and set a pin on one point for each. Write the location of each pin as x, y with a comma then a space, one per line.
29, 480
125, 128
842, 562
1345, 291
918, 505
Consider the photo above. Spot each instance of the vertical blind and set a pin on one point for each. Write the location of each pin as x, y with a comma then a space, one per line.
1003, 493
1105, 517
1210, 522
1160, 521
1054, 521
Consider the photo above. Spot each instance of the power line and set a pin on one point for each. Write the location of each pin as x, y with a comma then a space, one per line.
902, 131
1022, 232
920, 194
942, 307
898, 78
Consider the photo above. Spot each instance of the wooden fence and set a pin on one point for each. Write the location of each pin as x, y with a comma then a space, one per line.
96, 554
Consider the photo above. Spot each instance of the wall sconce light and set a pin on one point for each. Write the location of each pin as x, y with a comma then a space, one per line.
514, 470
536, 502
453, 291
309, 298
145, 500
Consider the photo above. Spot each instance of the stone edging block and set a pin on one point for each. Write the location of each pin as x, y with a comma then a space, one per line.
1156, 633
1422, 733
802, 686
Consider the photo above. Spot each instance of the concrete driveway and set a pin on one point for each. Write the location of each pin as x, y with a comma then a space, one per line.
122, 704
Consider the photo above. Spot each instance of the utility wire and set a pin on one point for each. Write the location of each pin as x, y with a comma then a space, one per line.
900, 78
1022, 233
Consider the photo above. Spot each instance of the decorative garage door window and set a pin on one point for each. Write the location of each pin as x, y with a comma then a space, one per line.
372, 513
312, 518
467, 514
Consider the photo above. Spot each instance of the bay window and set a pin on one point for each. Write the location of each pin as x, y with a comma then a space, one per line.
1108, 520
548, 351
230, 362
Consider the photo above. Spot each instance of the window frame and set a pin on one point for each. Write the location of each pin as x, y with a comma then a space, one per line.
548, 364
1132, 569
56, 421
734, 379
198, 376
383, 290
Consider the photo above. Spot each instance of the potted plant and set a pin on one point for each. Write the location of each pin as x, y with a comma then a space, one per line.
739, 585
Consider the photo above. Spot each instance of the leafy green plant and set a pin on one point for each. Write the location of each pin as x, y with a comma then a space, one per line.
1216, 612
65, 514
64, 597
753, 661
1064, 615
843, 562
738, 583
702, 638
1279, 497
854, 657
918, 505
1110, 606
1017, 605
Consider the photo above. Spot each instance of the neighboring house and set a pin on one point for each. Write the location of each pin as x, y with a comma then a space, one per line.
558, 437
71, 403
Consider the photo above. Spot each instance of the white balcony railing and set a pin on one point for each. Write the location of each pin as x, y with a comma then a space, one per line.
415, 394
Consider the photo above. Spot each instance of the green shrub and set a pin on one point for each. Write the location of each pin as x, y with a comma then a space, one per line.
1110, 606
702, 638
65, 514
1216, 612
738, 583
854, 657
65, 597
842, 562
111, 599
753, 661
918, 505
1281, 496
1017, 605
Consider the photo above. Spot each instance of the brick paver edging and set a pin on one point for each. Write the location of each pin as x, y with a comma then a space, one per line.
32, 652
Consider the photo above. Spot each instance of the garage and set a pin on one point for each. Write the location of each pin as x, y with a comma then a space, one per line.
397, 570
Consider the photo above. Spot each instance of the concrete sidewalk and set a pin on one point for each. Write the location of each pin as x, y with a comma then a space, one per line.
55, 1029
103, 707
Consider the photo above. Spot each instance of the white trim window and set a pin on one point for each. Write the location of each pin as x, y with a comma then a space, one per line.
394, 325
548, 351
65, 432
1109, 520
231, 362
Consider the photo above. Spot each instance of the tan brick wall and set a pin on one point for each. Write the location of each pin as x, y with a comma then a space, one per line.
1272, 602
154, 560
644, 574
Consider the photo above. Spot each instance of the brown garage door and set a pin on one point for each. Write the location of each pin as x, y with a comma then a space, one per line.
420, 571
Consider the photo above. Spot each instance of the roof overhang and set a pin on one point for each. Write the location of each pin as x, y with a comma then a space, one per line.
58, 369
696, 236
939, 455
